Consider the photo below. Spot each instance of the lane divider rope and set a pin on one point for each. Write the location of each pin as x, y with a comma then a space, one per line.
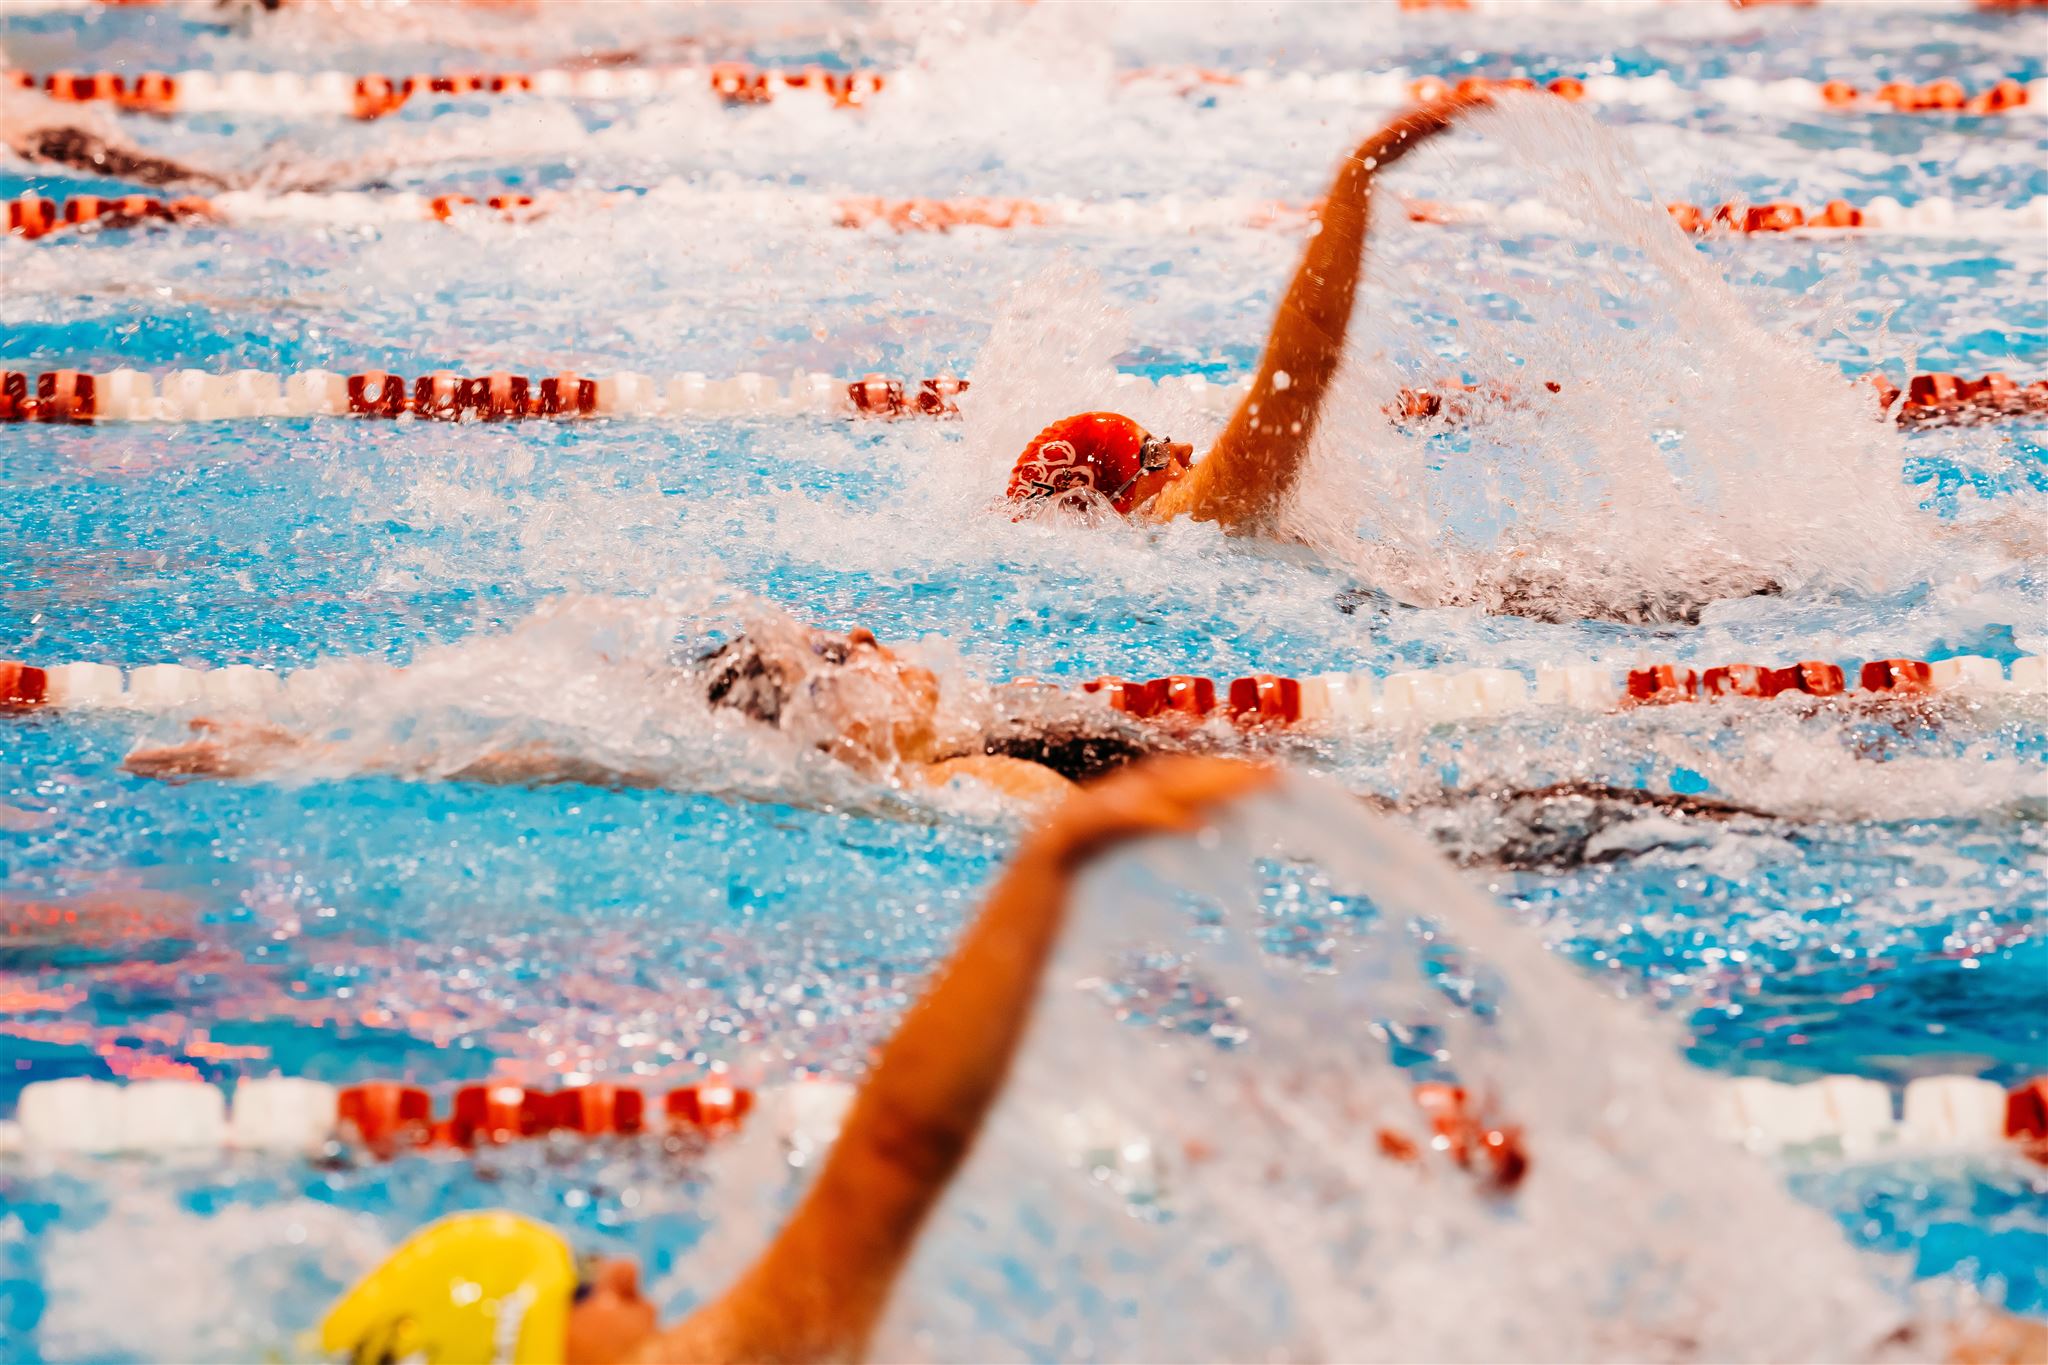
1330, 702
375, 96
82, 397
1358, 700
33, 217
1836, 1116
72, 396
1657, 90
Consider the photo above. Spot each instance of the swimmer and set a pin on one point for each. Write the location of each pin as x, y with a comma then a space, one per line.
1106, 459
846, 695
856, 700
819, 1289
42, 132
499, 1288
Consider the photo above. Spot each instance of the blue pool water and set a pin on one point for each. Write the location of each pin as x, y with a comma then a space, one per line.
1876, 914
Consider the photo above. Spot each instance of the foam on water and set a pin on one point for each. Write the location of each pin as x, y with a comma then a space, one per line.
643, 935
1279, 1230
1694, 450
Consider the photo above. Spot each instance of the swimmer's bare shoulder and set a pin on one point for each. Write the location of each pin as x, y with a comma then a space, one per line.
1016, 778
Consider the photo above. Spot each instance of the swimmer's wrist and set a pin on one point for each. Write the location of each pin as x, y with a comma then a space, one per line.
1063, 846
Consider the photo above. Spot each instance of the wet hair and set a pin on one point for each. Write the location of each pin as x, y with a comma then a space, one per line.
1074, 750
741, 676
738, 677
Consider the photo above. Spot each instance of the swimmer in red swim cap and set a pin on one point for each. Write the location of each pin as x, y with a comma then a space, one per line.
1106, 458
1105, 453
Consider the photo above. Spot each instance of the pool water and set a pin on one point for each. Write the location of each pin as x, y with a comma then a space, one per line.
1875, 913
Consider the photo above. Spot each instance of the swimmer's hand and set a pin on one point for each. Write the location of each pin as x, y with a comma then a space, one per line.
1416, 127
1169, 795
224, 749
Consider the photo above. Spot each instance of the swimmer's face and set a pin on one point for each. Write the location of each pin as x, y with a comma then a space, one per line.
1161, 463
609, 1320
876, 704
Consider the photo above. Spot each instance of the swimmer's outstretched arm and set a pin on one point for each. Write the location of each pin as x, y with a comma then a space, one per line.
1256, 460
83, 150
818, 1291
238, 749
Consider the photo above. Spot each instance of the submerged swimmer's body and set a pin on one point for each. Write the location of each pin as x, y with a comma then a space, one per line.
819, 1290
854, 699
42, 132
845, 695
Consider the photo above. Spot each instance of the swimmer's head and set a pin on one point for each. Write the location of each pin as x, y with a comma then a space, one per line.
489, 1287
1097, 456
848, 694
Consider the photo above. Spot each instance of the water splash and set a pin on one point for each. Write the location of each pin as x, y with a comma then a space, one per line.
1280, 1231
1691, 451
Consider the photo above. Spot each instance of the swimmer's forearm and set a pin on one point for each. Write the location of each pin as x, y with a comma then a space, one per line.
821, 1287
1257, 459
84, 151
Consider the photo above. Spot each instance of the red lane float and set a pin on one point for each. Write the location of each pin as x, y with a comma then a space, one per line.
1664, 684
1326, 702
1951, 400
1836, 1115
1763, 218
22, 686
77, 396
1429, 89
56, 396
373, 96
517, 207
1470, 1137
878, 395
1273, 701
2026, 1118
386, 1116
449, 397
32, 216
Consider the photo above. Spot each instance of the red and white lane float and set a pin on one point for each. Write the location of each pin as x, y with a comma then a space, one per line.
294, 93
290, 1114
82, 397
1655, 91
1833, 1117
33, 217
298, 94
1326, 702
74, 396
1343, 702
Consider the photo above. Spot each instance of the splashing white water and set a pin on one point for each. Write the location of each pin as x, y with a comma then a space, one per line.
1692, 450
1282, 1232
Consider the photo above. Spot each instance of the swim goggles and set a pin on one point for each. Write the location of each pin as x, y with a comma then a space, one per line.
1154, 454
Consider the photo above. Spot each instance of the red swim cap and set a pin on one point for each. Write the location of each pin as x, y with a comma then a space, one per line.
1103, 451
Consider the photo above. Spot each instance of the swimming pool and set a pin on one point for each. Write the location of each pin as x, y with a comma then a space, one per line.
1873, 912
